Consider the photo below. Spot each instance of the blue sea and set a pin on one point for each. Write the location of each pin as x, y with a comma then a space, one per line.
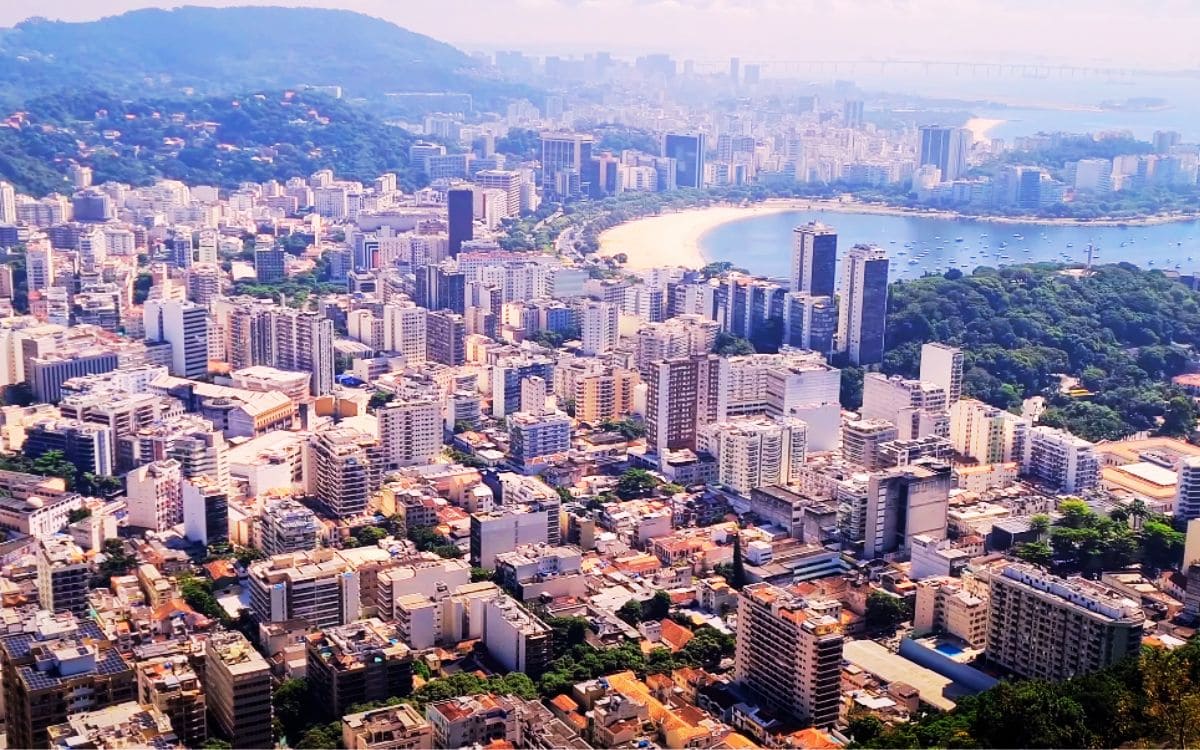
762, 244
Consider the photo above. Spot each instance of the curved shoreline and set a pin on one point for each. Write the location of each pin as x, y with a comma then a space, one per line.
674, 239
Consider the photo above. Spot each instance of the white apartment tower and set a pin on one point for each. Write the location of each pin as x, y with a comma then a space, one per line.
1187, 493
410, 432
404, 327
184, 325
1065, 462
942, 365
599, 328
987, 434
752, 453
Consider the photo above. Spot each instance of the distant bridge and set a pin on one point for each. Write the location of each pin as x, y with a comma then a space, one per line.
975, 69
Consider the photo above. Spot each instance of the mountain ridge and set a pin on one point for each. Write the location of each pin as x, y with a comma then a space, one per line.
159, 52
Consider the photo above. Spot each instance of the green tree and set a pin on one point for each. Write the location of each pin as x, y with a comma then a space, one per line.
1180, 417
636, 483
886, 611
631, 612
737, 569
1038, 553
729, 345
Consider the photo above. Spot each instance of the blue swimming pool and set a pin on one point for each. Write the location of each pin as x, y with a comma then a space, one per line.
949, 649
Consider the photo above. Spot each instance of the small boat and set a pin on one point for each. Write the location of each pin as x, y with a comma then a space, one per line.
958, 239
1019, 236
1070, 245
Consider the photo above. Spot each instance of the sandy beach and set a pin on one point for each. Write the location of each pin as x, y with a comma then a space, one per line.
673, 239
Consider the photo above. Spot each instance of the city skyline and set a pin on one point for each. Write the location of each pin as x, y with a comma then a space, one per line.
1019, 32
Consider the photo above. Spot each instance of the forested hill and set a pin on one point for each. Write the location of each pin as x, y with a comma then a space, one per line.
1122, 330
215, 141
220, 50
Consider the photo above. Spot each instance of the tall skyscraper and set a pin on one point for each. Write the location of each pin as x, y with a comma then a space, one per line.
684, 394
687, 149
942, 365
446, 338
8, 203
184, 325
460, 203
565, 158
945, 148
814, 259
734, 69
789, 652
852, 113
862, 304
303, 341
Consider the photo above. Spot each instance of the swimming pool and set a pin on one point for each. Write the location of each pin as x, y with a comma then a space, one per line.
949, 649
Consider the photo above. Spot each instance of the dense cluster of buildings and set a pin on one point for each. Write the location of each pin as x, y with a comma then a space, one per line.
418, 474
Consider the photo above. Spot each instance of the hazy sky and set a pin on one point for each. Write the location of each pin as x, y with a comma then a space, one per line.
1129, 33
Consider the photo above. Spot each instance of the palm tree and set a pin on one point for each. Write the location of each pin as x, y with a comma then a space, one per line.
1039, 523
1138, 512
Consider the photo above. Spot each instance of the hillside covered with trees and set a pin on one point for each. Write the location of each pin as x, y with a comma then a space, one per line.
215, 141
148, 52
1122, 331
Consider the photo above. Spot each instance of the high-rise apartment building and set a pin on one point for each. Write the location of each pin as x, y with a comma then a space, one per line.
1066, 463
756, 452
88, 446
945, 148
269, 264
317, 586
63, 576
599, 327
445, 338
404, 331
687, 149
205, 511
172, 686
1187, 491
861, 441
987, 434
814, 259
508, 180
303, 341
1049, 628
565, 159
460, 205
154, 495
286, 526
184, 325
810, 322
684, 394
237, 682
362, 662
903, 503
942, 365
917, 408
515, 638
410, 432
862, 305
789, 653
345, 469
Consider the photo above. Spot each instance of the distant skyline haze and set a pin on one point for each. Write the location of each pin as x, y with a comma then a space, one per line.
1101, 33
